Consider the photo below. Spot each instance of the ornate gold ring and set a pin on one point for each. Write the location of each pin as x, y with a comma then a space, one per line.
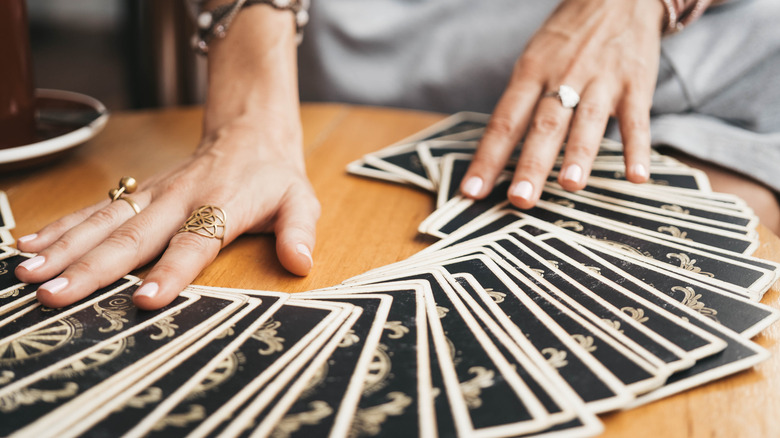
207, 221
127, 185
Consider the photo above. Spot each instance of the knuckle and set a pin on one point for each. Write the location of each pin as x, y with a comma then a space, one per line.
104, 217
85, 268
63, 245
636, 123
500, 126
591, 111
166, 270
128, 236
532, 165
547, 124
194, 243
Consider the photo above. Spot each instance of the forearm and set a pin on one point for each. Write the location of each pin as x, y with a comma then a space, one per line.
253, 74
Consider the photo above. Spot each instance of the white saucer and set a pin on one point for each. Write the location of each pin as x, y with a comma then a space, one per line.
64, 119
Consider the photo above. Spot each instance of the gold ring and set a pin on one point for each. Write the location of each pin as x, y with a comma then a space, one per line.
206, 221
127, 185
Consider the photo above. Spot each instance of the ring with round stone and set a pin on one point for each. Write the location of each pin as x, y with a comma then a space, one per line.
566, 94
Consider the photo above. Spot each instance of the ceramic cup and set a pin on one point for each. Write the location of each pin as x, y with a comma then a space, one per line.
17, 99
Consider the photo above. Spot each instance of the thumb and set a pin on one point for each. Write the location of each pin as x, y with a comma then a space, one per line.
295, 232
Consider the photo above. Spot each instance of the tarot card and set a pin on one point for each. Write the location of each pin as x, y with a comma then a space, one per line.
13, 293
211, 355
432, 154
738, 314
328, 404
524, 309
31, 315
404, 162
259, 417
398, 391
5, 237
261, 365
662, 176
658, 226
113, 364
6, 217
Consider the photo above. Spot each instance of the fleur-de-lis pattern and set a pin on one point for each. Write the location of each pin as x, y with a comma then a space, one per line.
675, 208
472, 388
555, 358
688, 263
636, 314
496, 296
674, 232
585, 341
572, 225
691, 300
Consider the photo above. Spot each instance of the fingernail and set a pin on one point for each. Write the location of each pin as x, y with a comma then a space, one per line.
573, 173
33, 263
55, 286
27, 238
640, 171
304, 250
472, 186
148, 290
523, 190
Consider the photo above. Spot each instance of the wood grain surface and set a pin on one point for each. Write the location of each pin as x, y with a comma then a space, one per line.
365, 224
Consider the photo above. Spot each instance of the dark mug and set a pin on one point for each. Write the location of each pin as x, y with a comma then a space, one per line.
17, 99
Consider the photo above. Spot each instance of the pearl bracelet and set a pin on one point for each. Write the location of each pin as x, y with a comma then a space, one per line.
215, 23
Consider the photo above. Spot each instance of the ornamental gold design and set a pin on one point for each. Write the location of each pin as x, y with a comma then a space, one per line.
349, 340
472, 388
378, 370
626, 248
397, 329
691, 300
594, 269
267, 334
148, 396
675, 208
3, 267
613, 323
40, 342
674, 232
688, 263
585, 341
166, 326
442, 311
554, 263
555, 358
114, 312
206, 221
571, 225
368, 421
564, 202
223, 371
317, 379
537, 271
30, 396
6, 377
94, 360
11, 293
496, 296
318, 410
637, 315
195, 413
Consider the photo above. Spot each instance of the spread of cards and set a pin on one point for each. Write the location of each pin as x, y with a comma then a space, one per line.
515, 323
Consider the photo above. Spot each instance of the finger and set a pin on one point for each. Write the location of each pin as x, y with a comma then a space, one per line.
506, 127
38, 241
587, 130
133, 244
296, 232
634, 120
540, 149
187, 255
78, 240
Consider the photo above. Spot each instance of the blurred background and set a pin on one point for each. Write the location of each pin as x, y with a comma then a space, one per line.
129, 54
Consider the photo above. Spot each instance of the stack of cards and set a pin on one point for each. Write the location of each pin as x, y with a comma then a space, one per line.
516, 323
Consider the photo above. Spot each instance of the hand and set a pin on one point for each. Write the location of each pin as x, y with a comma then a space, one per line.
254, 174
606, 50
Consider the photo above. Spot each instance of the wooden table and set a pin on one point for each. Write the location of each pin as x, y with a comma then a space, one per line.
364, 224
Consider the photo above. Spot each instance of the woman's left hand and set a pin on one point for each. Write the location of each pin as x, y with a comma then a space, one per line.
608, 52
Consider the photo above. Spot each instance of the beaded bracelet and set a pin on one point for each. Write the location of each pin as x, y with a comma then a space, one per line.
680, 13
215, 23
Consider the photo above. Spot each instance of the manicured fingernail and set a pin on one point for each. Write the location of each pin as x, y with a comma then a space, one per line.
55, 286
472, 186
304, 250
33, 263
148, 290
573, 173
523, 190
27, 238
640, 171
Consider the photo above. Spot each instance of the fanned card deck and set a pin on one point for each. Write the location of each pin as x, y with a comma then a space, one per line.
515, 323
